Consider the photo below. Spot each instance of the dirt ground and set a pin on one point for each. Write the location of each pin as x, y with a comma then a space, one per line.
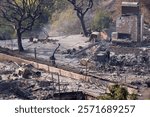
46, 49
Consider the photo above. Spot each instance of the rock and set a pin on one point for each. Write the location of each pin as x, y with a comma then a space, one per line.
35, 40
80, 47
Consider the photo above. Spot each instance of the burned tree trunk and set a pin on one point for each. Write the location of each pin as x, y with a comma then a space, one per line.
19, 35
83, 25
82, 7
22, 14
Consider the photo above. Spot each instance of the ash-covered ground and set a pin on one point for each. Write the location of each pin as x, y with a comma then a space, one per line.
26, 82
129, 65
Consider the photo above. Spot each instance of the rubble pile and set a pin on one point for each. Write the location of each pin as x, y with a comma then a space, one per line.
119, 67
127, 64
7, 68
131, 62
25, 82
110, 60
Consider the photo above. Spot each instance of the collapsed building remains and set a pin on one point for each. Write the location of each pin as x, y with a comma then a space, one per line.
129, 26
23, 81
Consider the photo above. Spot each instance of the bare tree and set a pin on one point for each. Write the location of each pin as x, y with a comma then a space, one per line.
22, 14
81, 7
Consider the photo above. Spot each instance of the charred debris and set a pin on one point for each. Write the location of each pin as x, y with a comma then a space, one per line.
123, 57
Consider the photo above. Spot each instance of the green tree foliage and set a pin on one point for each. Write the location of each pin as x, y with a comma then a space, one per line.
132, 96
101, 20
118, 92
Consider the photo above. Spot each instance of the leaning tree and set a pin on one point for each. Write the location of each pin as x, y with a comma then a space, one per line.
22, 14
82, 7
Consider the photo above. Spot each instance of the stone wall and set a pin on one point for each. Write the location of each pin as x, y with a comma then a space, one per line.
128, 25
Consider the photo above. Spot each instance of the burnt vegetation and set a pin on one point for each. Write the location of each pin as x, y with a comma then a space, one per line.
89, 42
22, 15
82, 7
